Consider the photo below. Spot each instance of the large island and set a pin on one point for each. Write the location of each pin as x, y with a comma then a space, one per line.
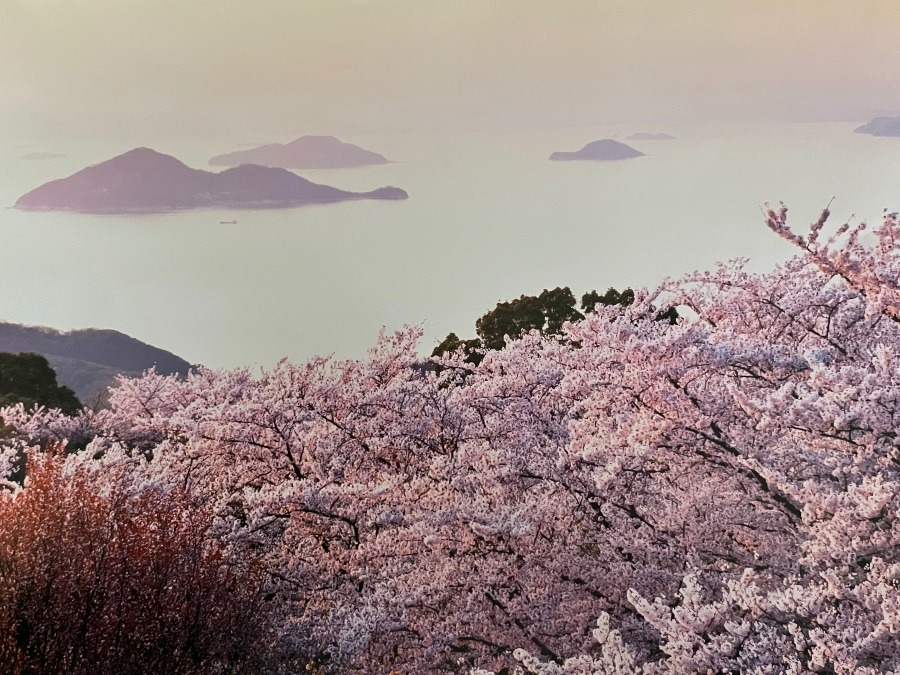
307, 152
145, 181
599, 151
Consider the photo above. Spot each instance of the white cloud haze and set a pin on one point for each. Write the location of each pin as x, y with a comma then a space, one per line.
281, 66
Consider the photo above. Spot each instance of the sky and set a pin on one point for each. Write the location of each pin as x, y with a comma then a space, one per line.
185, 68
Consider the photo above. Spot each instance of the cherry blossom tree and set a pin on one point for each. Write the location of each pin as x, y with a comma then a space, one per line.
721, 489
791, 380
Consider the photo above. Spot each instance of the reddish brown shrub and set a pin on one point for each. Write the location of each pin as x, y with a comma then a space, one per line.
117, 581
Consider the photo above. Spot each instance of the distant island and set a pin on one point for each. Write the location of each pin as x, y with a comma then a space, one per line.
145, 181
881, 126
644, 136
43, 155
307, 152
89, 360
600, 151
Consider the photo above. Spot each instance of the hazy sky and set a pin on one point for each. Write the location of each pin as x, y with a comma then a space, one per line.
274, 68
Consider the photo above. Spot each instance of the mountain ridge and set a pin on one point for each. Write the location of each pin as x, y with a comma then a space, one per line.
87, 360
306, 152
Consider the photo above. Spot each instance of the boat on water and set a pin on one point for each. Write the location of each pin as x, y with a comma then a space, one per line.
227, 222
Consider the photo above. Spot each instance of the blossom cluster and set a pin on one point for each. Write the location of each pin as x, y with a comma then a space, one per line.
722, 492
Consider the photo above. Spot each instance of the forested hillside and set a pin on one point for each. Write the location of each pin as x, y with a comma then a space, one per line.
87, 361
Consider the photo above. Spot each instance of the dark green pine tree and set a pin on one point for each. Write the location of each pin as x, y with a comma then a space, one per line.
589, 301
29, 379
547, 313
471, 348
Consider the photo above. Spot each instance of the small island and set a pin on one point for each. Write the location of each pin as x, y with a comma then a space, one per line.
599, 151
145, 181
307, 152
881, 126
644, 136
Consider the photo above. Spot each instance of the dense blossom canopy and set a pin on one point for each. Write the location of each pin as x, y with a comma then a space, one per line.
721, 491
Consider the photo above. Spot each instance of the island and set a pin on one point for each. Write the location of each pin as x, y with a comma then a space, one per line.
307, 152
644, 136
881, 126
145, 181
600, 151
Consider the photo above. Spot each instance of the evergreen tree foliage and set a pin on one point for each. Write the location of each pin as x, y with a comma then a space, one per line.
29, 379
546, 313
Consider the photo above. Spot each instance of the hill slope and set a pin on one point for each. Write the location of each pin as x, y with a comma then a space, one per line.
88, 360
307, 152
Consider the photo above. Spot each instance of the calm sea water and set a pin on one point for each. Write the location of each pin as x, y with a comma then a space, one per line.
488, 218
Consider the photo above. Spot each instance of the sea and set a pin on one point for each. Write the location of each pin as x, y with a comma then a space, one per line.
488, 219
